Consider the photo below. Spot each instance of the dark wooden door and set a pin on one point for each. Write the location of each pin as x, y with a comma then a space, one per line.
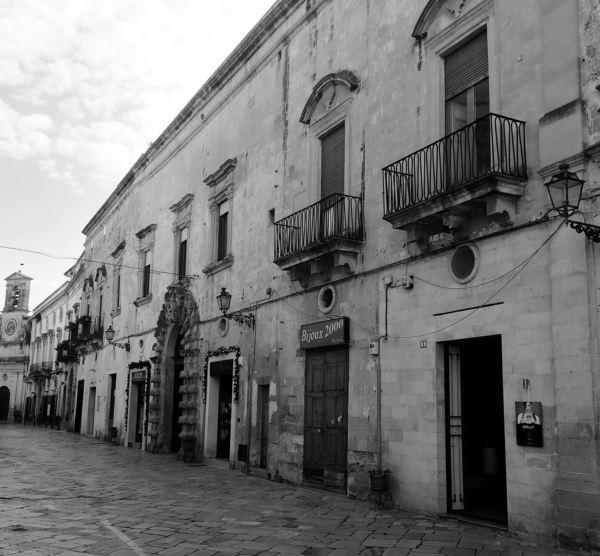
263, 392
139, 411
326, 417
4, 403
78, 407
224, 416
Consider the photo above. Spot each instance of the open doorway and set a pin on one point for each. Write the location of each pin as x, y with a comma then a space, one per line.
219, 416
476, 463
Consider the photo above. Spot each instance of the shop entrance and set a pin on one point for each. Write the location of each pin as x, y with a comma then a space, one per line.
476, 464
78, 407
4, 402
326, 417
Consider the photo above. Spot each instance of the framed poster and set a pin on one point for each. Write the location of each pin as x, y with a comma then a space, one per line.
529, 424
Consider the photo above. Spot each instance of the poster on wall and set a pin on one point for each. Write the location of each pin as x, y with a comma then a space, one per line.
529, 424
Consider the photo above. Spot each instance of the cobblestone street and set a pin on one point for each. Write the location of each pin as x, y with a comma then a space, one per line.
67, 494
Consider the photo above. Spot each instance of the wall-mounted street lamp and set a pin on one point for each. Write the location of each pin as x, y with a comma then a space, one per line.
224, 301
110, 336
564, 190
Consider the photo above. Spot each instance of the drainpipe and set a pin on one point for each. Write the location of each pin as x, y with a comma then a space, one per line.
386, 283
249, 374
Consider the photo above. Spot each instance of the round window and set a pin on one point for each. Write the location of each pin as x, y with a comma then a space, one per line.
465, 263
326, 299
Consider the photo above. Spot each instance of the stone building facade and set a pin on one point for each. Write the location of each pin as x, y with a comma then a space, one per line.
366, 183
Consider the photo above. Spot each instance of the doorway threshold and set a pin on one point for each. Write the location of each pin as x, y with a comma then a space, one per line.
474, 521
217, 462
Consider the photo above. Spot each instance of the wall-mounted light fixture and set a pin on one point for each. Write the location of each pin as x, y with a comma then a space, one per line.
110, 336
224, 301
564, 190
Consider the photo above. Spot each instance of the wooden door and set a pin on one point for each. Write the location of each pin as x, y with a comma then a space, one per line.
139, 411
326, 417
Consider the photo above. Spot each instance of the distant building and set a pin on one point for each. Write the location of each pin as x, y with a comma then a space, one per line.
13, 345
364, 184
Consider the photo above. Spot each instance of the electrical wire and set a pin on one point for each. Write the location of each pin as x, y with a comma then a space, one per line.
489, 298
108, 263
490, 281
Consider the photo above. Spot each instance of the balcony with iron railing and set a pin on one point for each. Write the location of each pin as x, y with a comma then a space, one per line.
330, 231
90, 328
39, 370
482, 165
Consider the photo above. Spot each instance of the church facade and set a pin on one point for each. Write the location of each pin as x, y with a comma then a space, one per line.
338, 266
14, 339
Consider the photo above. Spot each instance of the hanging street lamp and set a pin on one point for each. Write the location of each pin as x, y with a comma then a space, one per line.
565, 189
224, 301
110, 336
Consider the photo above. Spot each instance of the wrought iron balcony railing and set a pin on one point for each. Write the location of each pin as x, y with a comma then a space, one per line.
47, 367
90, 328
35, 368
335, 217
490, 146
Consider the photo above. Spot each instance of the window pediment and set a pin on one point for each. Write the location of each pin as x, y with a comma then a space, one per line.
439, 14
331, 91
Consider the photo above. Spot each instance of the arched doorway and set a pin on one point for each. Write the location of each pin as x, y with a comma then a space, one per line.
175, 382
4, 402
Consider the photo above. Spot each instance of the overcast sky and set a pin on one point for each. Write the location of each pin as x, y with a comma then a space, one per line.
85, 86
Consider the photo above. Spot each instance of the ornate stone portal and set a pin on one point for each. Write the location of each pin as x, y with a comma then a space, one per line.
180, 314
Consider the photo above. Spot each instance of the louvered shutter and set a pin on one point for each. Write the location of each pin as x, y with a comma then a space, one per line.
332, 162
466, 66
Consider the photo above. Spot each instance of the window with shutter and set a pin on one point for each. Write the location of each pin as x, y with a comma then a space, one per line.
222, 231
332, 162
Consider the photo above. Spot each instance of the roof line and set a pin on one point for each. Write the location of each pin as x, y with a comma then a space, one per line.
249, 44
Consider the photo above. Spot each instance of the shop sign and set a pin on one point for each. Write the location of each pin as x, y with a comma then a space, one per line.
529, 424
325, 333
138, 376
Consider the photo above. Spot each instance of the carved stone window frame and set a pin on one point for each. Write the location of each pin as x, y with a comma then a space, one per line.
182, 210
146, 239
117, 293
435, 47
323, 113
222, 185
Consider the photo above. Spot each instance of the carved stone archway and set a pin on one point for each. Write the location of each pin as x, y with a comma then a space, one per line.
179, 310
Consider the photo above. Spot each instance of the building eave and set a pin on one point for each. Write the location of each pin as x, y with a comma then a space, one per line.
249, 44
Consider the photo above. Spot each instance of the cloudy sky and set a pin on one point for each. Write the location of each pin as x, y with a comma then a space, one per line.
85, 86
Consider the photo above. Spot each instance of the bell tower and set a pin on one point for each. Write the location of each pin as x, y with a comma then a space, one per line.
17, 293
16, 307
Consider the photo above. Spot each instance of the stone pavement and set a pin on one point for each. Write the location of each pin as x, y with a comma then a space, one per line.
62, 493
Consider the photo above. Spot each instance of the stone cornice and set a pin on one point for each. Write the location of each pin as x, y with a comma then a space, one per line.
182, 203
593, 151
221, 173
145, 231
118, 250
259, 34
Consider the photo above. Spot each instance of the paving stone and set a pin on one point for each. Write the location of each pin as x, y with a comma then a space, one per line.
108, 500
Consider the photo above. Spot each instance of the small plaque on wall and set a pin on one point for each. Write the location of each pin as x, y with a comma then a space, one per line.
529, 424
